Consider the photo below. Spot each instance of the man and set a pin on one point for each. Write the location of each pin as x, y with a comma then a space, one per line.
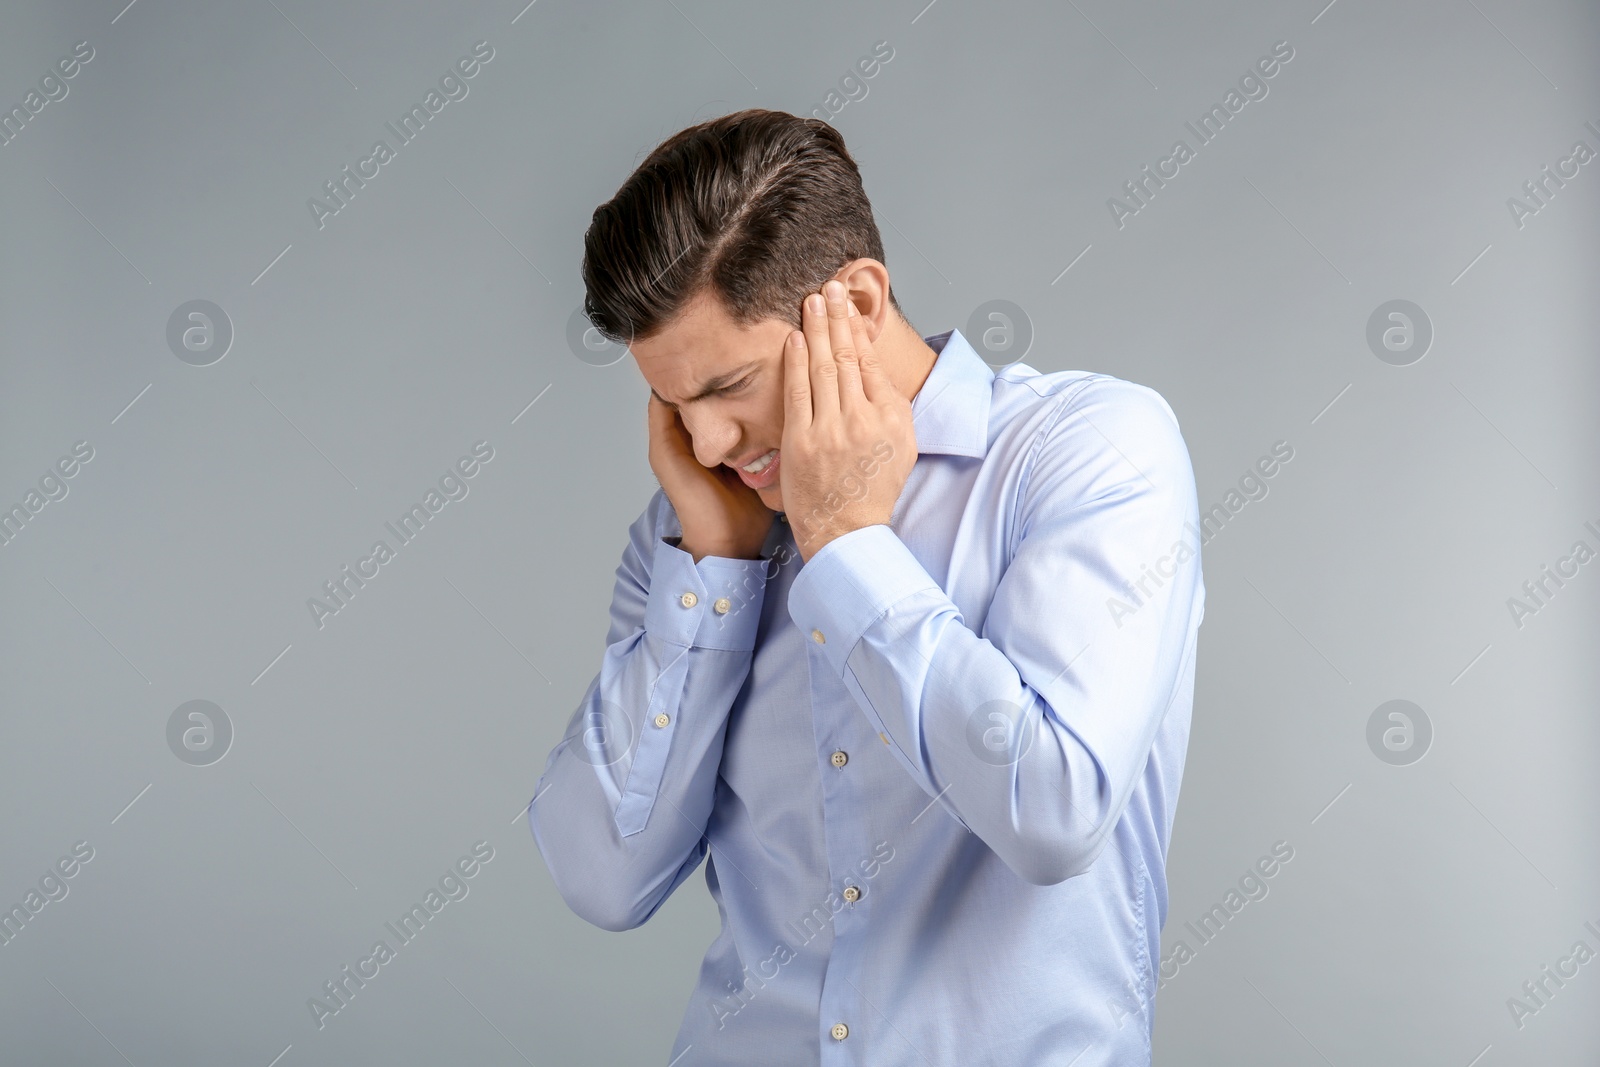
930, 720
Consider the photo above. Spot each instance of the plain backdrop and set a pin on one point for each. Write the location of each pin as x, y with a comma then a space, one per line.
368, 351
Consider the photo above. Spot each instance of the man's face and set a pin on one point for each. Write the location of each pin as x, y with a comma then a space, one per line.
743, 419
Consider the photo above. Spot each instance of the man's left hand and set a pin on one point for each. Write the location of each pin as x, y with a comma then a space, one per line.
848, 443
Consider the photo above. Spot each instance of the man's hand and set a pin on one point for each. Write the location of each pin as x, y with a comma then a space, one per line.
720, 515
848, 442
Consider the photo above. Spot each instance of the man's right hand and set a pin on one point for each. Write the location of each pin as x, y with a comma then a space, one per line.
720, 515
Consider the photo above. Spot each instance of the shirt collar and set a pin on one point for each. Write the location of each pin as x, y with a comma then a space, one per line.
950, 413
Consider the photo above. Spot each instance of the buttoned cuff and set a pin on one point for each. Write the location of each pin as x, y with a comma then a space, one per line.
851, 583
715, 603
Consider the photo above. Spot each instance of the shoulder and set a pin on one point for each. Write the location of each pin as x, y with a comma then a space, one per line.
1087, 436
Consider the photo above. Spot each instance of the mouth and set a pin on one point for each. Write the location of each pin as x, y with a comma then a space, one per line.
761, 472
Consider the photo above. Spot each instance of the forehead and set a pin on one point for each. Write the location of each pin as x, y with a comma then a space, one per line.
702, 344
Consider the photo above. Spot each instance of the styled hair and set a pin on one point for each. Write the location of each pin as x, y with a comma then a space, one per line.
757, 207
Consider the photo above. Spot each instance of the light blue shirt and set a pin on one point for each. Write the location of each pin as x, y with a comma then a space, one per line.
936, 766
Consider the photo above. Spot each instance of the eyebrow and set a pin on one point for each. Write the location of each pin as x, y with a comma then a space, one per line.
712, 385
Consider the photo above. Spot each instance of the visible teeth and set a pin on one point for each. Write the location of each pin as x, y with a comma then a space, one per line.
761, 464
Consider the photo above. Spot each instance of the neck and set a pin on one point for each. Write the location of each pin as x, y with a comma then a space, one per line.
906, 356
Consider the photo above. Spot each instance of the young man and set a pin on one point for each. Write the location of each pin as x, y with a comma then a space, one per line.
930, 720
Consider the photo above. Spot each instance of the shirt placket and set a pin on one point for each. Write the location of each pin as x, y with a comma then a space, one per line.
841, 732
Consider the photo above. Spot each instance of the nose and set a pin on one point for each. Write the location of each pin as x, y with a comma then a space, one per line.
714, 437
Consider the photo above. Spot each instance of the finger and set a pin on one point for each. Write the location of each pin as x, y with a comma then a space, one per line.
843, 343
796, 383
824, 372
876, 385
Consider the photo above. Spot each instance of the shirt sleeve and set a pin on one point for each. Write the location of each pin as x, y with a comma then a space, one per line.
619, 813
1033, 724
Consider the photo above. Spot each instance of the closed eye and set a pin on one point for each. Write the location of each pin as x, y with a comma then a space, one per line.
738, 385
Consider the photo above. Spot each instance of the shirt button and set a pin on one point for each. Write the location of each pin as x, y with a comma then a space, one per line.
852, 894
722, 605
689, 600
662, 719
840, 1031
816, 635
840, 759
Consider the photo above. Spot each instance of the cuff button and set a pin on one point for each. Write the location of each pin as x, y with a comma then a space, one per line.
722, 605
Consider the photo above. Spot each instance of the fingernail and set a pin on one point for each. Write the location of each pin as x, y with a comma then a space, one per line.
814, 302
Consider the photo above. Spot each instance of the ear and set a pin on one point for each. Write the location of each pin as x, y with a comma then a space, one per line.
866, 282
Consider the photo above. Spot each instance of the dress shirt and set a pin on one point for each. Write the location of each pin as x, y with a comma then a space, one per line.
936, 765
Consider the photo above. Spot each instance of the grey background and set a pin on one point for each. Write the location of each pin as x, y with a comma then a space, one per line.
432, 311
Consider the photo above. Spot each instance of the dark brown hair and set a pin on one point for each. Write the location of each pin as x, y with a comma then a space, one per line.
759, 206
